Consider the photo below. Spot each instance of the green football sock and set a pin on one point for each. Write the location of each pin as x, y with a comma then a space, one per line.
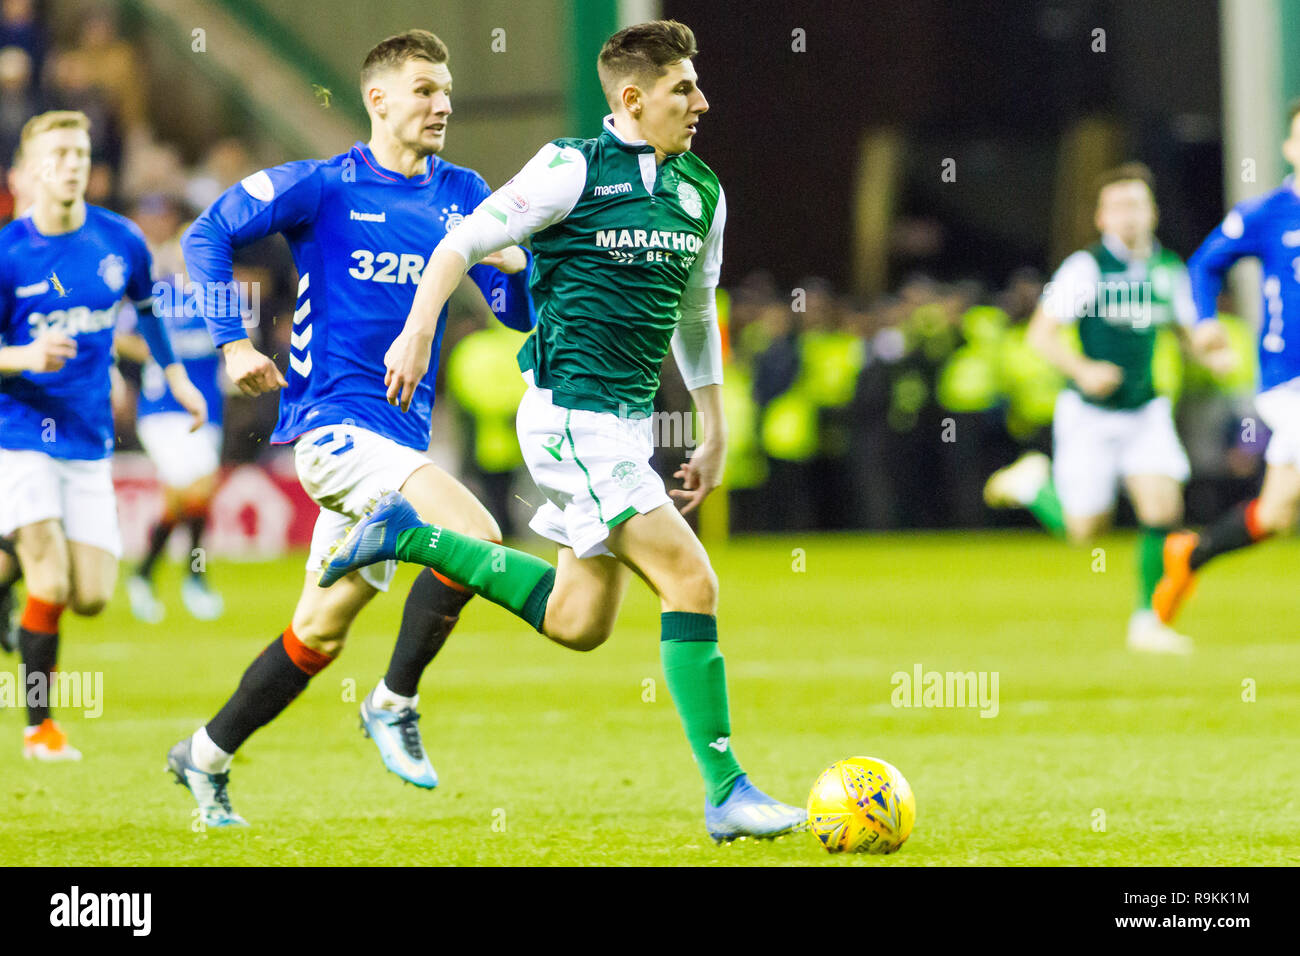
519, 582
697, 680
1151, 562
1046, 507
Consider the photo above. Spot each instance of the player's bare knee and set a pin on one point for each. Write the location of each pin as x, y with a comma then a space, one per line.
320, 632
578, 633
52, 589
1164, 517
327, 642
88, 605
695, 590
586, 640
1277, 517
486, 528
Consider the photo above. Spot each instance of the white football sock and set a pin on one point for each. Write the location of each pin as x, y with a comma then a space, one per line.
206, 755
385, 699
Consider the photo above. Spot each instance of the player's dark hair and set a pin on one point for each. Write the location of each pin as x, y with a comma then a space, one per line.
1124, 173
396, 50
642, 53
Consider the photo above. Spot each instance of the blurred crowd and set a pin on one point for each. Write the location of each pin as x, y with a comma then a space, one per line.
842, 413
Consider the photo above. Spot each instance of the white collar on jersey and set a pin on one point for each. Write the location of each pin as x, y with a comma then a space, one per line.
608, 124
646, 161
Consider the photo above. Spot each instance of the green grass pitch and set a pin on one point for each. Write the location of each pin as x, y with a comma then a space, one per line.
552, 757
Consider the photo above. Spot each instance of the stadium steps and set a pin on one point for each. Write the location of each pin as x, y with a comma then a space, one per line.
284, 91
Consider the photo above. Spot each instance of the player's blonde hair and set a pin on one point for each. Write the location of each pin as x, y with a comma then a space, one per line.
52, 119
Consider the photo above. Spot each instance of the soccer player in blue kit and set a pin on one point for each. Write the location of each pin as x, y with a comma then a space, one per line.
64, 269
1268, 228
188, 462
360, 226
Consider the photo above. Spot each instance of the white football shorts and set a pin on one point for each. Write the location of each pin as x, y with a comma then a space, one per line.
342, 467
35, 486
1279, 408
181, 456
592, 467
1096, 447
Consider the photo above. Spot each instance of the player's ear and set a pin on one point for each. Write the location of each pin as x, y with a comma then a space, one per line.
631, 96
375, 100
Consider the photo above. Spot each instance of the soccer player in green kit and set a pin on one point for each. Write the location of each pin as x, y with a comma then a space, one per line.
1110, 424
626, 234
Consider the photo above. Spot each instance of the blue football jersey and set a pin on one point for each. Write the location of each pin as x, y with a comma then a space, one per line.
71, 283
183, 318
1268, 228
360, 236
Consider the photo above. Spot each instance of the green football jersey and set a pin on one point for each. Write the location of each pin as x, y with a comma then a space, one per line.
1120, 303
616, 239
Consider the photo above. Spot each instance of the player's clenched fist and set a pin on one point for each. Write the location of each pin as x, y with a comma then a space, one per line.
49, 352
405, 365
249, 369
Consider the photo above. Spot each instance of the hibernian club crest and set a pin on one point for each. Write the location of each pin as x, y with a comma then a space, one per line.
689, 197
112, 269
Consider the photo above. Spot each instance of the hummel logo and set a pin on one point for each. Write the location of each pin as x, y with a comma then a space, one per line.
720, 745
368, 216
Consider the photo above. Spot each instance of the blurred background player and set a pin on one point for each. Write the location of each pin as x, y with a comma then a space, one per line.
1110, 425
22, 189
10, 572
627, 228
1267, 228
360, 225
64, 269
188, 462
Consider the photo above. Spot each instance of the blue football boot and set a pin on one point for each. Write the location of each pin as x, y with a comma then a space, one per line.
749, 812
210, 790
397, 735
372, 539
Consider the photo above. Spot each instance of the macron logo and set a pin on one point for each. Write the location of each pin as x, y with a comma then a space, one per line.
36, 288
132, 910
368, 216
613, 190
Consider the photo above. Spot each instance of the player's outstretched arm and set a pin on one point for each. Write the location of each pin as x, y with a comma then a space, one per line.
407, 359
540, 195
1231, 240
270, 201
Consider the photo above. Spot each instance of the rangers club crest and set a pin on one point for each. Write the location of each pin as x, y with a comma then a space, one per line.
112, 269
451, 217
